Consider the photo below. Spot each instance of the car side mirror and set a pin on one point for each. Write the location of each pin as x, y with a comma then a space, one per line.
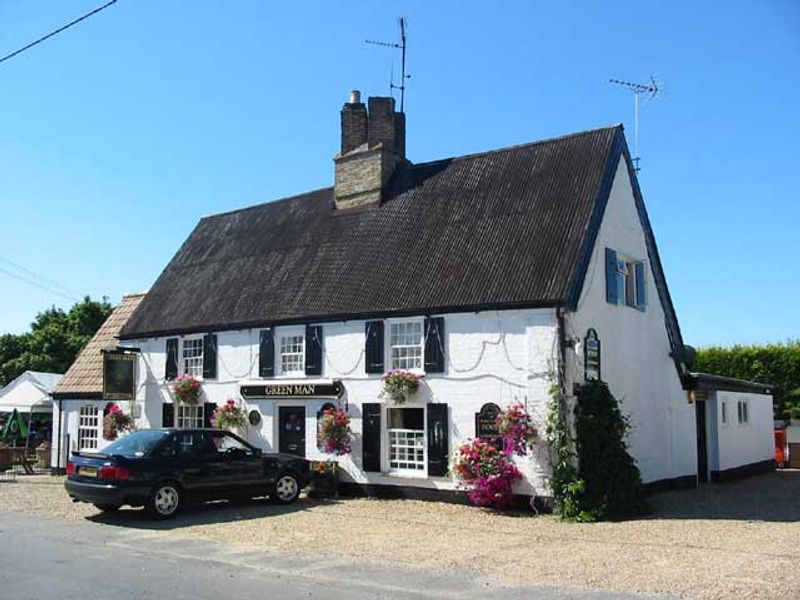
257, 452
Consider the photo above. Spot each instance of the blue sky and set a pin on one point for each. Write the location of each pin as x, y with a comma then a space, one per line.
122, 132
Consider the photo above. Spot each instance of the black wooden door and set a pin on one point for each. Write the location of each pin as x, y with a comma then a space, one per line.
702, 443
292, 430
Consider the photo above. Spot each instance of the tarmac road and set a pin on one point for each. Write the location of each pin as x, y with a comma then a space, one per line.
43, 558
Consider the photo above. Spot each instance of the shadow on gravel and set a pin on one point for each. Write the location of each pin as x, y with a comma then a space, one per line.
770, 497
207, 513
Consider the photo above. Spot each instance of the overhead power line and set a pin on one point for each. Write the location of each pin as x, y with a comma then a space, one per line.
46, 280
57, 31
41, 286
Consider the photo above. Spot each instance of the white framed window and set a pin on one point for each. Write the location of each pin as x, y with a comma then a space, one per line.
406, 344
627, 280
724, 412
742, 412
189, 417
293, 354
407, 444
88, 427
192, 355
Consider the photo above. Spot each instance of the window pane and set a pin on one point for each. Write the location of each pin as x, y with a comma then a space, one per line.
630, 284
406, 345
292, 354
406, 439
193, 357
88, 425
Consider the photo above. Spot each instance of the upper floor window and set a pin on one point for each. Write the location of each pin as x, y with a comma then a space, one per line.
625, 280
192, 354
405, 341
292, 352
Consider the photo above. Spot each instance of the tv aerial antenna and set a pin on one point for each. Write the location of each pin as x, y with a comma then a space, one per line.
401, 45
651, 87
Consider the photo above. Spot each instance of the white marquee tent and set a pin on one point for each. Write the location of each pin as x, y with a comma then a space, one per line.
29, 393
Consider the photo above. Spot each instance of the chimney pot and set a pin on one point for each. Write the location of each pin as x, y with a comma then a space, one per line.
355, 97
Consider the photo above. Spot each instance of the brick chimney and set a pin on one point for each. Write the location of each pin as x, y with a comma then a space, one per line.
373, 144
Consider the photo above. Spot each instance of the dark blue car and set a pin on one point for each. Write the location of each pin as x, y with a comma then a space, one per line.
161, 469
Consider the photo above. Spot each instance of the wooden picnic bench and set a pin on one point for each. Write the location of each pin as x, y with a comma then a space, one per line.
15, 456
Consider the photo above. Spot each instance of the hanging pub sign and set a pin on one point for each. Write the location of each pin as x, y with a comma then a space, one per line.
486, 421
271, 391
591, 356
119, 375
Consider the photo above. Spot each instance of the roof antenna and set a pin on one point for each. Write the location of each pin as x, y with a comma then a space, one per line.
651, 88
402, 47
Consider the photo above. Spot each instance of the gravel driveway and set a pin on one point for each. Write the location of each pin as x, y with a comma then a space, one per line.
719, 541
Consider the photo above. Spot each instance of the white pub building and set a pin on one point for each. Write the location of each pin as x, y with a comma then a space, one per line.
488, 275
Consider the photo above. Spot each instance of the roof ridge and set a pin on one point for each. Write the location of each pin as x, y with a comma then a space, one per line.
519, 146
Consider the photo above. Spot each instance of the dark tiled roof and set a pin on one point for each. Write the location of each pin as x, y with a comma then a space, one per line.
499, 229
707, 381
84, 379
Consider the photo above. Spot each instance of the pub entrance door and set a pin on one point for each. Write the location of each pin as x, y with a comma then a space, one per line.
292, 430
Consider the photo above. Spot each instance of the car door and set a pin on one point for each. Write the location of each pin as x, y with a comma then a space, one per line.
244, 467
200, 466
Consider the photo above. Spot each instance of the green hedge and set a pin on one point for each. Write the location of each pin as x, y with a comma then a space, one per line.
775, 364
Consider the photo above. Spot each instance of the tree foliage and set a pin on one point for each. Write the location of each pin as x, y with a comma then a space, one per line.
54, 340
775, 364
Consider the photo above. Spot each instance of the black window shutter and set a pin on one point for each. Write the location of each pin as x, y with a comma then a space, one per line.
373, 354
313, 349
168, 415
434, 344
641, 298
171, 366
611, 277
210, 356
371, 436
438, 440
208, 411
266, 354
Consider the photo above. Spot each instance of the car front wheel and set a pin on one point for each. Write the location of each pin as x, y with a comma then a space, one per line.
286, 489
164, 501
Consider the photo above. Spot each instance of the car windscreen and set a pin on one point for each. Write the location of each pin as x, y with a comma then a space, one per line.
136, 444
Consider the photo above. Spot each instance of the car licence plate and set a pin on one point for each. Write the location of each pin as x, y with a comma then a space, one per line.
88, 471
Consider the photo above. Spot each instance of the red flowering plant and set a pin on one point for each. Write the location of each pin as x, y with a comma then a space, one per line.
400, 385
187, 389
333, 431
229, 416
516, 429
488, 472
115, 422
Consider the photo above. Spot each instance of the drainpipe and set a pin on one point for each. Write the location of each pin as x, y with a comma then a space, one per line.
57, 470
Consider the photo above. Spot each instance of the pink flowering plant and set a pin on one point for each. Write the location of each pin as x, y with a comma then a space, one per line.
187, 389
516, 430
333, 432
116, 422
400, 385
229, 416
489, 473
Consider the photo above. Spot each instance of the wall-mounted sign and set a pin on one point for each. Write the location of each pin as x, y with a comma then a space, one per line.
254, 417
271, 391
591, 356
119, 376
486, 421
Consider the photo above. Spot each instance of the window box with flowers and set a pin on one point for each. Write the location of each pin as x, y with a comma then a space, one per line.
187, 389
400, 385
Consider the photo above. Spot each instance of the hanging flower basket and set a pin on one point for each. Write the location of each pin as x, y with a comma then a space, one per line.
516, 430
400, 385
187, 389
116, 422
229, 416
333, 431
487, 472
